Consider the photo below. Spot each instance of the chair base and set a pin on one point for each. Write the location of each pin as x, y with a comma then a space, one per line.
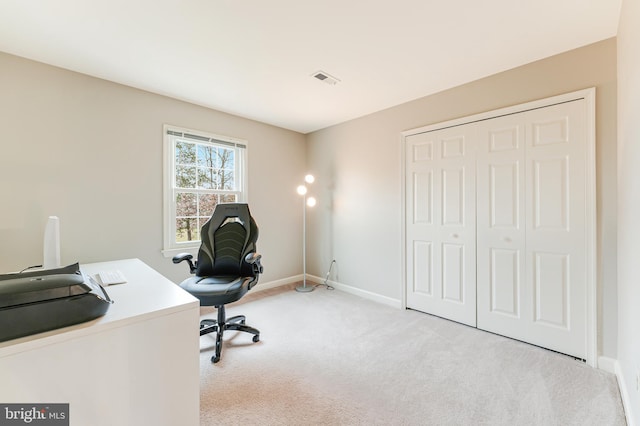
221, 324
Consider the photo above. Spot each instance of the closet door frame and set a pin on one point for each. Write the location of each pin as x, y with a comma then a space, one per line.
591, 272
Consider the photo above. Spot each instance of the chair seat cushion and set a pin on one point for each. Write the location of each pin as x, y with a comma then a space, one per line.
216, 291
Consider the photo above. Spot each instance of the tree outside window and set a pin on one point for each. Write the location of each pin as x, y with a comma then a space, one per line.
206, 171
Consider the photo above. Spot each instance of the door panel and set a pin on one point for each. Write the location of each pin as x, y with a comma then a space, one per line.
505, 282
422, 196
556, 234
440, 197
453, 197
551, 288
551, 193
422, 269
502, 302
504, 195
453, 272
544, 278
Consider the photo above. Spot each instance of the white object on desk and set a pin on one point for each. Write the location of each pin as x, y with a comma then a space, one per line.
51, 249
136, 365
110, 277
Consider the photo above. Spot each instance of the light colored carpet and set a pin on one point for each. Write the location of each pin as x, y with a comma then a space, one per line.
332, 358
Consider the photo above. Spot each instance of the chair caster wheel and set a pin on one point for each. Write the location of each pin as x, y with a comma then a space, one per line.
256, 338
215, 359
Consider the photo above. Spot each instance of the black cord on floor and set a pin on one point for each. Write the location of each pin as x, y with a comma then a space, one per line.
324, 285
329, 287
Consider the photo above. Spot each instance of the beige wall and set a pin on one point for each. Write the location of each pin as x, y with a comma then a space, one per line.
90, 152
358, 164
629, 206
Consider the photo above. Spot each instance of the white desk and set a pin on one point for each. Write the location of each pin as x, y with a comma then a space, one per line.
137, 365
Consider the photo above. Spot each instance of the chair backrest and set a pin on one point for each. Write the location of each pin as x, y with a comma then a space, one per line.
226, 239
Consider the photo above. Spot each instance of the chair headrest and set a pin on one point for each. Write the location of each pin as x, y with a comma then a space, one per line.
223, 214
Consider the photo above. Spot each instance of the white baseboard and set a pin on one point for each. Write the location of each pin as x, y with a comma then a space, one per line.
343, 287
395, 303
277, 283
607, 364
612, 365
317, 280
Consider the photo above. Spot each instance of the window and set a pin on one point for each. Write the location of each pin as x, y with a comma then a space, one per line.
201, 170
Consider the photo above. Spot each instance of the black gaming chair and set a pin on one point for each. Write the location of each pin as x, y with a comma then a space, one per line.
227, 267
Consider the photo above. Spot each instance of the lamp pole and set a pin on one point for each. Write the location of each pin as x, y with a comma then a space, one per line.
302, 190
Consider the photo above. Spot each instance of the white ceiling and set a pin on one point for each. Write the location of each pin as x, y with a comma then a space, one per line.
254, 58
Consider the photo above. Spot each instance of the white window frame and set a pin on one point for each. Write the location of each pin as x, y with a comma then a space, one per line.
170, 135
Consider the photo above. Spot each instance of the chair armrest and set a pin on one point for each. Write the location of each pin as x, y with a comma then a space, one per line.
185, 256
254, 260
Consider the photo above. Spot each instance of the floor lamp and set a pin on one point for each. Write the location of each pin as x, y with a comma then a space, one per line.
306, 201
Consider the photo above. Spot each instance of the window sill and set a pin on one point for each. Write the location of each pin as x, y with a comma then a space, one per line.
187, 249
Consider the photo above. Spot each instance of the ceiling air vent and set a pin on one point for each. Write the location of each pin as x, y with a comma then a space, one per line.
325, 77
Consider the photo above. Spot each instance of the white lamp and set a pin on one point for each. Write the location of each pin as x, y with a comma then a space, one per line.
307, 201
